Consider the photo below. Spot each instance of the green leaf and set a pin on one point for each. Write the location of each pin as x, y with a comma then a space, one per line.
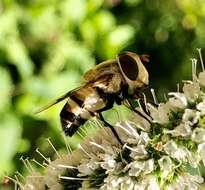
10, 132
5, 89
118, 39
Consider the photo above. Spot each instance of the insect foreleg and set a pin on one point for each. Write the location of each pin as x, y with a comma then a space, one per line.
136, 111
106, 124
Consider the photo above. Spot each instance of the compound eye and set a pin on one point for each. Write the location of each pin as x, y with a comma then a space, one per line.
129, 66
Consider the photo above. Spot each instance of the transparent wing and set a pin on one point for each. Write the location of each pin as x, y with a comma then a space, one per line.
63, 97
106, 67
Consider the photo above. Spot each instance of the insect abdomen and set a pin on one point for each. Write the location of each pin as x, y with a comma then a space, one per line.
81, 106
69, 121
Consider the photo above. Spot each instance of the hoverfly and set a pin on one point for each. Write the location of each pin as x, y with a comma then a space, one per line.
112, 81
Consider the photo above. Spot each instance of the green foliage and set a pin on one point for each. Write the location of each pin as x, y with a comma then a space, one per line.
46, 46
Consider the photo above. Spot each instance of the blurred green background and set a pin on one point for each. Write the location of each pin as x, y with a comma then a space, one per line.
47, 45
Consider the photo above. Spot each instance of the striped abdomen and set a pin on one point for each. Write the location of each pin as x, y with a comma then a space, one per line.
81, 105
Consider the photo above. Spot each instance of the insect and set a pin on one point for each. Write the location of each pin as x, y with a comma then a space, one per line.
112, 81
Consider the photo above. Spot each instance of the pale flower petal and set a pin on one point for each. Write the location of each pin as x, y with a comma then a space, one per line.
139, 152
182, 130
178, 152
201, 106
201, 151
149, 166
34, 181
127, 184
191, 91
170, 147
136, 168
186, 181
202, 78
198, 135
87, 166
151, 183
166, 166
161, 114
179, 100
108, 162
191, 115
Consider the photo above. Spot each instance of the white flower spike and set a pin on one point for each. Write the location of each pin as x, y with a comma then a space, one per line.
155, 154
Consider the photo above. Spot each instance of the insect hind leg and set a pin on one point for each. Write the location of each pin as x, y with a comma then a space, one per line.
106, 124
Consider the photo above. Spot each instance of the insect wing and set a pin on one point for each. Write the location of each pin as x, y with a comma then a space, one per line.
63, 97
104, 68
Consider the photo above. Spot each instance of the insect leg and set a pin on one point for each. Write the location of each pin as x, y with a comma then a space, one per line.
136, 111
111, 127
